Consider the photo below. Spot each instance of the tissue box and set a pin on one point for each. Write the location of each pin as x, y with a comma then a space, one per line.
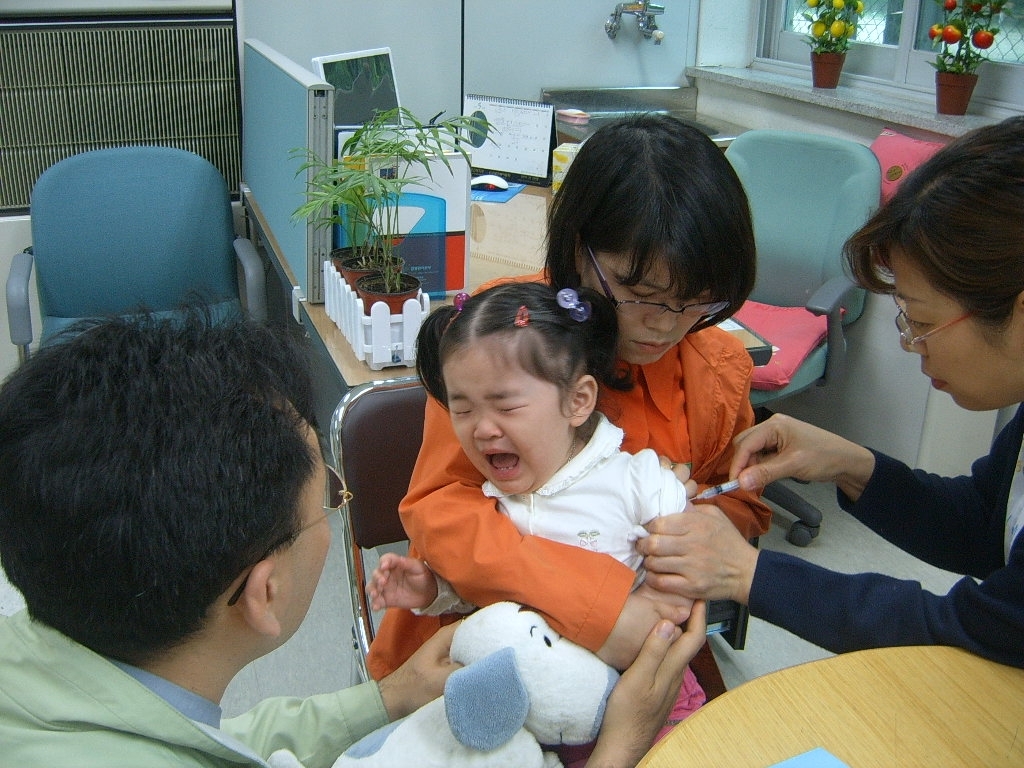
561, 158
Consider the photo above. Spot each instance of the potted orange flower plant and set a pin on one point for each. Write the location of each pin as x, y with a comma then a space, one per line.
833, 23
965, 33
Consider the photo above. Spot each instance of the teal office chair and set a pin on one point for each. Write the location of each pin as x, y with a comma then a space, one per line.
808, 194
116, 229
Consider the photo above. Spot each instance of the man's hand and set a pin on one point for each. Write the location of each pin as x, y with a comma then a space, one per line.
421, 679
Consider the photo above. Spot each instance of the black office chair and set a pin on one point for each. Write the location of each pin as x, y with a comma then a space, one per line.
808, 194
375, 435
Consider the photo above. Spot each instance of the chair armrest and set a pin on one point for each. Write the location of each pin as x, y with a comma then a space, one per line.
19, 315
254, 277
828, 300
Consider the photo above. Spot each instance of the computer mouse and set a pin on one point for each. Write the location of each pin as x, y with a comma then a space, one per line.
489, 182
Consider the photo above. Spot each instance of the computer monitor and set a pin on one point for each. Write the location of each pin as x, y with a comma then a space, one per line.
364, 83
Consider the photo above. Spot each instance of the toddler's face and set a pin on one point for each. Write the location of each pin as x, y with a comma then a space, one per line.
513, 426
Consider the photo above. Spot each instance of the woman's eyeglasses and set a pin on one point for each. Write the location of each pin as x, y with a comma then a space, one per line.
338, 492
702, 310
904, 326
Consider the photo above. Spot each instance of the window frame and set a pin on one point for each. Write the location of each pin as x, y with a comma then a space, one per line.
899, 67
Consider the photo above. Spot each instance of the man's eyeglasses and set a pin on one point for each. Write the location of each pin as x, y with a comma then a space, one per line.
702, 310
904, 326
338, 493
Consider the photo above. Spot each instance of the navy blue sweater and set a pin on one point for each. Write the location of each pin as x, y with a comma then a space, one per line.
953, 523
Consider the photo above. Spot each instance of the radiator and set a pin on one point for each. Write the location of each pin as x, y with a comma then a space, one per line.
74, 87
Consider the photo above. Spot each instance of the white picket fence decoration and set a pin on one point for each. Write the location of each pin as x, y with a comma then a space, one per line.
380, 339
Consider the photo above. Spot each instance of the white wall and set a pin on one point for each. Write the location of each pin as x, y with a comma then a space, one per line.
511, 49
545, 44
425, 40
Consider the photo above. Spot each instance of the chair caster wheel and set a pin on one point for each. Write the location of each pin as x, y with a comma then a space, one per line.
800, 534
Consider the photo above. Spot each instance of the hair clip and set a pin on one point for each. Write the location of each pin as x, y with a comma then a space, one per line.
460, 300
522, 317
568, 299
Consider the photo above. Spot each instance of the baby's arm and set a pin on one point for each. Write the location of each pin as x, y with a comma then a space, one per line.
408, 582
401, 582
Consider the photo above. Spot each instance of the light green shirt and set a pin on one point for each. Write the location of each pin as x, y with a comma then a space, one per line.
63, 705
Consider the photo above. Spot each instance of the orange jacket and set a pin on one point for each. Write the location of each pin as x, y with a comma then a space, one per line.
463, 537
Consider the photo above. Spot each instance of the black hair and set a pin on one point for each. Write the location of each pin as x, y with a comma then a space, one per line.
146, 463
552, 346
959, 218
652, 187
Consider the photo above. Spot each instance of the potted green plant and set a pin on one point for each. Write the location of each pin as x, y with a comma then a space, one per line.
966, 31
361, 190
832, 24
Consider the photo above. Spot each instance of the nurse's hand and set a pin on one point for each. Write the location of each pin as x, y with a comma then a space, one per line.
698, 554
786, 447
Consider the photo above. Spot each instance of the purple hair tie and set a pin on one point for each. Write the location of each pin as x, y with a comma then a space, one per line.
568, 299
460, 300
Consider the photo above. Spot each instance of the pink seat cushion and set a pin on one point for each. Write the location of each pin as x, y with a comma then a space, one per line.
898, 155
793, 332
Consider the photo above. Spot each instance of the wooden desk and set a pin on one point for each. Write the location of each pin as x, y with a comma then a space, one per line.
888, 707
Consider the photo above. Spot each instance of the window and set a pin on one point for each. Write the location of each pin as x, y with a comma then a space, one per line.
891, 45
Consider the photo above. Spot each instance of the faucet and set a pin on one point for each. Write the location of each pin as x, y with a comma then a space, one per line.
645, 12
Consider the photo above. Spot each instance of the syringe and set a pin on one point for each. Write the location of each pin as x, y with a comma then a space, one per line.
715, 490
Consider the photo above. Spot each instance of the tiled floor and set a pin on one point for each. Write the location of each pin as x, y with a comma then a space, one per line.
319, 657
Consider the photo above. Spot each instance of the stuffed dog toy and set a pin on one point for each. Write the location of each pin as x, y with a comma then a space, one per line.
521, 685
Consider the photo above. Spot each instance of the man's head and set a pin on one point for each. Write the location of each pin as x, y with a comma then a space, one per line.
147, 464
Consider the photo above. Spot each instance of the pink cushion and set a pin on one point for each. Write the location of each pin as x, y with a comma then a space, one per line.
898, 155
793, 332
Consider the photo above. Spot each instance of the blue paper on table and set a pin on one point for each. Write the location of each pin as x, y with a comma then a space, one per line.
816, 758
497, 195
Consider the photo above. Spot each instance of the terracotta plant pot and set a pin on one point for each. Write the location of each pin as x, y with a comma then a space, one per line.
953, 92
371, 290
348, 266
826, 68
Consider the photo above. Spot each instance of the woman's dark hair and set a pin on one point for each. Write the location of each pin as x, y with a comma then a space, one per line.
552, 345
652, 187
959, 219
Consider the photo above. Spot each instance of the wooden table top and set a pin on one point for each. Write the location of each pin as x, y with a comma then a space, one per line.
886, 707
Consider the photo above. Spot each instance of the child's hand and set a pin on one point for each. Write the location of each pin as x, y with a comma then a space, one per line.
680, 470
401, 582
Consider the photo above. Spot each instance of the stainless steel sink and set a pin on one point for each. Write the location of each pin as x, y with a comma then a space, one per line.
607, 104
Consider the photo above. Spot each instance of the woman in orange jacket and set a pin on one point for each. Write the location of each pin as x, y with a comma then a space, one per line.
652, 215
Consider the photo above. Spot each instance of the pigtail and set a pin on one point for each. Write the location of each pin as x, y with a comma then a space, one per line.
428, 351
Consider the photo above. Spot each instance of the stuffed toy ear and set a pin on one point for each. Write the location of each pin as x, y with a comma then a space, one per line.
486, 701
